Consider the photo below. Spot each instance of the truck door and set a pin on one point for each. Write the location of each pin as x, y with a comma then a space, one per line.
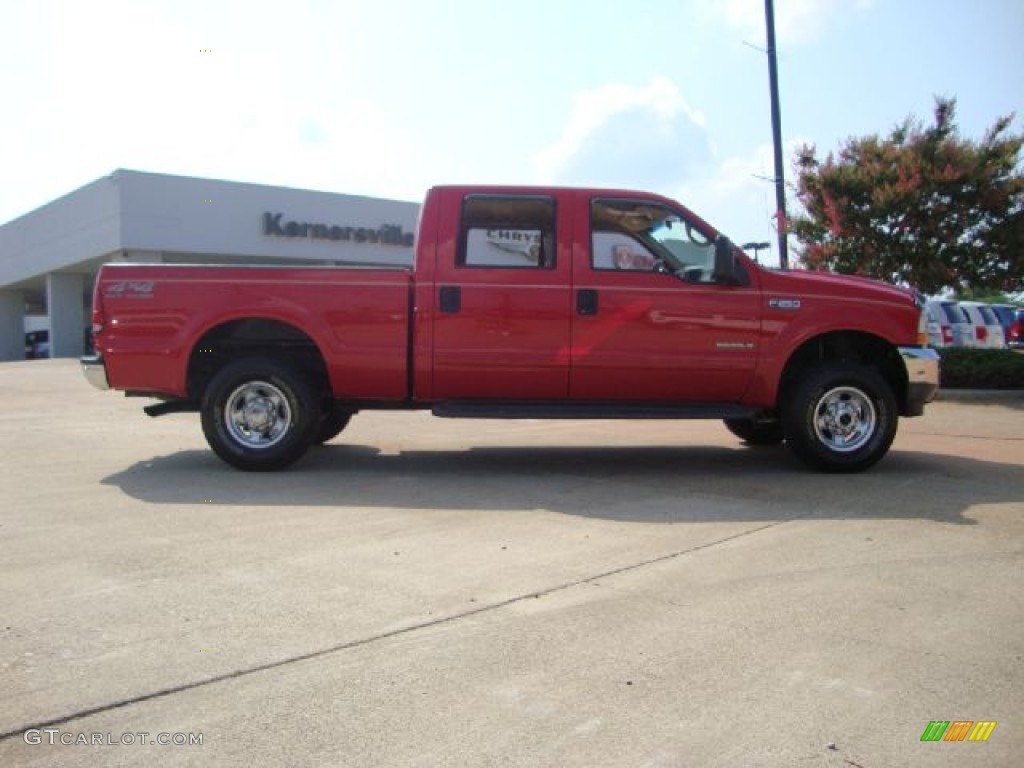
503, 301
650, 322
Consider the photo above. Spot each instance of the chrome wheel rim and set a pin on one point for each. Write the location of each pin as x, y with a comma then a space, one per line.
845, 419
257, 415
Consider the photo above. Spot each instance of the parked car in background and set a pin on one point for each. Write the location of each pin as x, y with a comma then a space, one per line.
1007, 314
940, 329
37, 345
1015, 335
948, 326
988, 331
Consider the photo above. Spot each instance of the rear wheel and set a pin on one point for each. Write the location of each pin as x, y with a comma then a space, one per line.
755, 432
259, 414
840, 417
332, 424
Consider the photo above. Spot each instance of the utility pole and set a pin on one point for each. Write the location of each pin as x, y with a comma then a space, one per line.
782, 223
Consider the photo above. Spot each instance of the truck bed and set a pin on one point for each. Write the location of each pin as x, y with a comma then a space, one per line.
156, 318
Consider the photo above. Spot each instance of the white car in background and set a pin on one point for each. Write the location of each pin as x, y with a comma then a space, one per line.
948, 326
988, 331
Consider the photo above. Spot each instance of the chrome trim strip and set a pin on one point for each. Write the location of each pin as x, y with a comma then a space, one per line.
922, 364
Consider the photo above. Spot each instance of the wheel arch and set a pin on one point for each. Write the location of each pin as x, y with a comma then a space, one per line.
254, 336
846, 346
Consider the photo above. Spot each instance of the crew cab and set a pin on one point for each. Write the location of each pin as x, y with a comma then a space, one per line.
523, 302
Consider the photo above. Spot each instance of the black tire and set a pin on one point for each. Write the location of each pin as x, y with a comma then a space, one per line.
259, 414
754, 432
840, 417
332, 424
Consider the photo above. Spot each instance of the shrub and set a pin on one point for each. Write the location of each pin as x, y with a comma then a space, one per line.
982, 368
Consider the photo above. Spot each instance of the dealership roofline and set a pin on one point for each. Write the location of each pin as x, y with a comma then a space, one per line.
156, 217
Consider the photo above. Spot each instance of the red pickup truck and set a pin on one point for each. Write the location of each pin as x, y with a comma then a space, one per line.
524, 302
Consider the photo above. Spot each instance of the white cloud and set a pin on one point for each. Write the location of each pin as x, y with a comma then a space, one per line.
796, 21
738, 194
127, 85
619, 135
649, 138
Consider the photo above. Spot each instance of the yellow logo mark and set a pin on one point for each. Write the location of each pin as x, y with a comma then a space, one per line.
982, 730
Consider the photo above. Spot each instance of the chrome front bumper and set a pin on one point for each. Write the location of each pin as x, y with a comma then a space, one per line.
922, 364
95, 371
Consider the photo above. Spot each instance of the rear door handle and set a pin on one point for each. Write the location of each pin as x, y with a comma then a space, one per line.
451, 299
586, 301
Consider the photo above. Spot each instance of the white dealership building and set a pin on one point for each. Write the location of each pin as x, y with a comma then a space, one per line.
49, 257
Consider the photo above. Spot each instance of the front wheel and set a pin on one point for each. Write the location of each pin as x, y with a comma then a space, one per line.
840, 417
259, 414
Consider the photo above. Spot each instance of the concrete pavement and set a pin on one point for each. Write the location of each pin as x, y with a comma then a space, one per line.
433, 592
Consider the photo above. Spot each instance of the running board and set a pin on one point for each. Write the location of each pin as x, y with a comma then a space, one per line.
469, 409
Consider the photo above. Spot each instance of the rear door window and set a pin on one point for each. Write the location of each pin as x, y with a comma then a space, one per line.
514, 232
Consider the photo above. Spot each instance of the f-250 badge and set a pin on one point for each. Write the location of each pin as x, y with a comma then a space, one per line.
784, 303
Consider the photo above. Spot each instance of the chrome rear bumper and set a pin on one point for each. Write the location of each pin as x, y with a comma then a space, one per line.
95, 371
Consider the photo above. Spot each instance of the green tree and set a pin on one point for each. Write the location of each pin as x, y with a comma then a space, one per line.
921, 206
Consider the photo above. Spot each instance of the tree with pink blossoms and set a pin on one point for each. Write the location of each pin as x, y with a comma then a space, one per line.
922, 206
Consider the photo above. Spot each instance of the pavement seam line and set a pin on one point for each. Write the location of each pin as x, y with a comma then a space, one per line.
969, 437
239, 673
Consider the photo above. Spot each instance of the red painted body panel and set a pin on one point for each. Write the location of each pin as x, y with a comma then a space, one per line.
357, 318
517, 334
509, 339
827, 303
656, 338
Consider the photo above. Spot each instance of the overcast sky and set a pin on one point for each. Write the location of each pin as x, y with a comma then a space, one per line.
388, 97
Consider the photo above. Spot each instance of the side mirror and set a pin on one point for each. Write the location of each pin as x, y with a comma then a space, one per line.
727, 268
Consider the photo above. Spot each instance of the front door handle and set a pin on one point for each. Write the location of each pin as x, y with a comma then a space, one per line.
451, 299
586, 301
